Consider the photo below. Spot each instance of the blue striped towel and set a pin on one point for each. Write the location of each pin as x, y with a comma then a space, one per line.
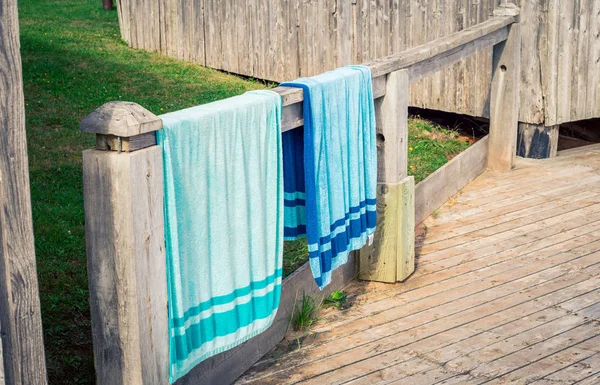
223, 224
330, 168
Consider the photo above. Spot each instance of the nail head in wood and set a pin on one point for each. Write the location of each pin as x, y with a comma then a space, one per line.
123, 119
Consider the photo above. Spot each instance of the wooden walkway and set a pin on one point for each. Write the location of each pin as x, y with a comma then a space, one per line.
507, 291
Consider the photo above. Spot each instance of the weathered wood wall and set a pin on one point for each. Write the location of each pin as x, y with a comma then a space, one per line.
22, 346
284, 39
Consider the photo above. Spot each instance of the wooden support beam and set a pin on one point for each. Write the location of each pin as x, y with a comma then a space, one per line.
22, 345
504, 98
537, 141
123, 194
391, 256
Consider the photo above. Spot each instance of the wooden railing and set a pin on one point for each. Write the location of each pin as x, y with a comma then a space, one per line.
123, 190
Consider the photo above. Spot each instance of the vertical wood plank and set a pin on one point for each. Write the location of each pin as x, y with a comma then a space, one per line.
565, 63
212, 28
533, 27
124, 24
593, 55
388, 254
344, 32
229, 36
504, 101
580, 60
20, 319
549, 63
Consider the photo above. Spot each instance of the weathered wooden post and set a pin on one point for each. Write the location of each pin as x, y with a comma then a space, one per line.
537, 141
124, 223
21, 340
391, 257
504, 98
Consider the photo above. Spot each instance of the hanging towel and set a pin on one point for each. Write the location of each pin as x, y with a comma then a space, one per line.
223, 224
330, 168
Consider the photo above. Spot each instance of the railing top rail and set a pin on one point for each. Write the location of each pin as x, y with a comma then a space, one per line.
412, 57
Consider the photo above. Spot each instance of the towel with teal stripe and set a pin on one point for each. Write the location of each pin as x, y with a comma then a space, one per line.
330, 168
223, 173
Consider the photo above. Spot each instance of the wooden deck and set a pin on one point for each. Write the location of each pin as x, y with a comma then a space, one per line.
507, 290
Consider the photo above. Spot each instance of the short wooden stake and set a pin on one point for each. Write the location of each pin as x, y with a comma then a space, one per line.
504, 98
391, 256
123, 192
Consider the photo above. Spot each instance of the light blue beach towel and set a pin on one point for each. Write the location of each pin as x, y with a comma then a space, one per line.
223, 224
330, 168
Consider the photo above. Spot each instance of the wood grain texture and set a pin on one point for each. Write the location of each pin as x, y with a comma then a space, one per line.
521, 306
379, 261
537, 141
275, 41
125, 144
123, 119
123, 194
392, 129
406, 231
504, 102
21, 325
391, 256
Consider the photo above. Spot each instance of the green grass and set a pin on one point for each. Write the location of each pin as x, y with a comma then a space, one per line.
337, 299
73, 62
430, 147
306, 313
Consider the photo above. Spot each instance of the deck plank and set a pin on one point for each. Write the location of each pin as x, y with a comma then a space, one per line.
506, 291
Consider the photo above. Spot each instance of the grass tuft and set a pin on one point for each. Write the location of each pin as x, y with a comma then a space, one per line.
306, 313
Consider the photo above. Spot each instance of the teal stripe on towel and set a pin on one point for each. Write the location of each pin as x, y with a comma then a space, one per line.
223, 178
226, 299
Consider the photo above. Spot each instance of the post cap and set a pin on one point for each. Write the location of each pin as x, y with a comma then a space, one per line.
124, 119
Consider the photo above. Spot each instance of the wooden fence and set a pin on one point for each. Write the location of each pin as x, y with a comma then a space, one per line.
283, 39
123, 191
21, 341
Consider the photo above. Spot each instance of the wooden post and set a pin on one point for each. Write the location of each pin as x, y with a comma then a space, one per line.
107, 5
391, 256
504, 98
21, 339
124, 223
537, 141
